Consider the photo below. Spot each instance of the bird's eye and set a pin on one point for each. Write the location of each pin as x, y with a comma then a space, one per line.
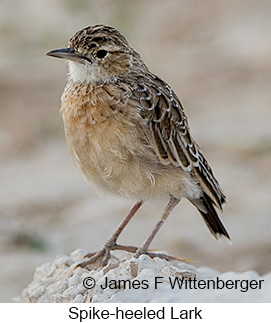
101, 53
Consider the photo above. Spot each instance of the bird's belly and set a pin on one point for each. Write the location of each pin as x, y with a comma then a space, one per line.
111, 155
107, 155
116, 163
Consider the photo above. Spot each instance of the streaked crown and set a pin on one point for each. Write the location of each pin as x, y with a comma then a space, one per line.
97, 36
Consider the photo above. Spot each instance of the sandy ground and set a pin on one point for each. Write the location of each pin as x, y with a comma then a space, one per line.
216, 56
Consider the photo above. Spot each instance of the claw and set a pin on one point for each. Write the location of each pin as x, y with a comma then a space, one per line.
89, 255
92, 258
154, 254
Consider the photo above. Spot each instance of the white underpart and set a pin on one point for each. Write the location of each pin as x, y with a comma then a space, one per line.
83, 73
86, 73
192, 189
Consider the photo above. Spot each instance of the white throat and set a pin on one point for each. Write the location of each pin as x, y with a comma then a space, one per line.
87, 73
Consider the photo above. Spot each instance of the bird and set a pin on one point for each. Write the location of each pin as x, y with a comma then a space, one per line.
128, 134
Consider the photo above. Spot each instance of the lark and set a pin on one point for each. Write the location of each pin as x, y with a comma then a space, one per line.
128, 134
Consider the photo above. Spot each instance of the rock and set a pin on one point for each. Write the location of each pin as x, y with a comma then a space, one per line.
126, 279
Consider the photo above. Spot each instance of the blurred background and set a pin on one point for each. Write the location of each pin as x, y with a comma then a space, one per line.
215, 55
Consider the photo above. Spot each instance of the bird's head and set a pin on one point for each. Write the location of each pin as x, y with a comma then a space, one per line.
98, 54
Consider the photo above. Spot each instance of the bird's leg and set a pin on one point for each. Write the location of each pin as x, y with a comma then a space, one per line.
144, 247
113, 238
111, 243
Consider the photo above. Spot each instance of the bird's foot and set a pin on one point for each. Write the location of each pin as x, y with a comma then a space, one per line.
103, 255
154, 254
